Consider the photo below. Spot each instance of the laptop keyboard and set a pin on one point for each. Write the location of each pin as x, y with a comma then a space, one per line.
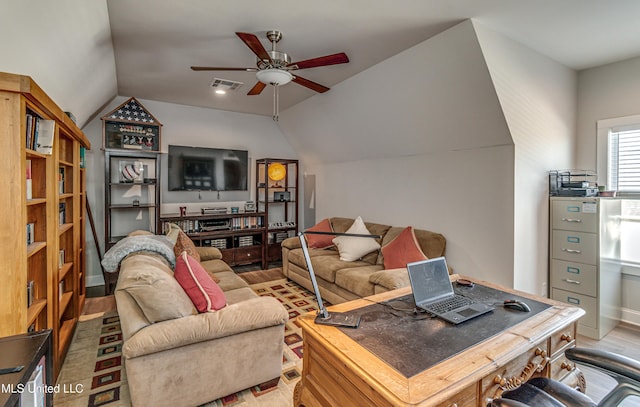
448, 304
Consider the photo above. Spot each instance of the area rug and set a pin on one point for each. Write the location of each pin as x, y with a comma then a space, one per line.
94, 367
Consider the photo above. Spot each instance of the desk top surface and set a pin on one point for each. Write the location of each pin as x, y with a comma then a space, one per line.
455, 372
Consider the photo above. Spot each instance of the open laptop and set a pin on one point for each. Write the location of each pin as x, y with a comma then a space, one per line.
433, 292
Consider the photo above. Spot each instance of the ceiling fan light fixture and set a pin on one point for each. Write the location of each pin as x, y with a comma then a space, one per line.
275, 77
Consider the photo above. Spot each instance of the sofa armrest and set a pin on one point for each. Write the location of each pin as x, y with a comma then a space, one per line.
390, 279
256, 313
292, 243
209, 253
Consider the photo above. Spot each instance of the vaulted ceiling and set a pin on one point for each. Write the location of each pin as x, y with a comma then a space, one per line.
156, 41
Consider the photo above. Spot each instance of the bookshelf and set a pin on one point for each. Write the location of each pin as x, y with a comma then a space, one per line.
277, 196
42, 212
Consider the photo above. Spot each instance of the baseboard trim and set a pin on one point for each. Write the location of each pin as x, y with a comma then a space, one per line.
631, 316
94, 280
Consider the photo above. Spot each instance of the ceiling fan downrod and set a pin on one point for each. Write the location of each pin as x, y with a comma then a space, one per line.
276, 103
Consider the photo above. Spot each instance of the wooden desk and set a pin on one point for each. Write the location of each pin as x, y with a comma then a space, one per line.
337, 371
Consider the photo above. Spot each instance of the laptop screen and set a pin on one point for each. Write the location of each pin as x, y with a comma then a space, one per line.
429, 280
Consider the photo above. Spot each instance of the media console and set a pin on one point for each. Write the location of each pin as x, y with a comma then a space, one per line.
241, 237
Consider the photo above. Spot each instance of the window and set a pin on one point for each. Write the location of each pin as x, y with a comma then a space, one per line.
618, 165
624, 160
618, 155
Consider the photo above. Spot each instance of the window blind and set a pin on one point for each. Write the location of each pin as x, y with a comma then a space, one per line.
624, 160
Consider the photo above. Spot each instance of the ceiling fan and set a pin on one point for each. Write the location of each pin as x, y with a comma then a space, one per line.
274, 67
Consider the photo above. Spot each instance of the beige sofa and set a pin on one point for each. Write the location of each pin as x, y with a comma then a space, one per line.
341, 281
194, 358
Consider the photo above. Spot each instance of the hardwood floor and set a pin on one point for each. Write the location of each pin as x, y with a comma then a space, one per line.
94, 305
624, 339
261, 276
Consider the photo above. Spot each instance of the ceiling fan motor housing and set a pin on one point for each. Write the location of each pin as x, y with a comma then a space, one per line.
279, 60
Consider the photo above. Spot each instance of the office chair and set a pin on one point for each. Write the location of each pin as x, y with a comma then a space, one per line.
543, 392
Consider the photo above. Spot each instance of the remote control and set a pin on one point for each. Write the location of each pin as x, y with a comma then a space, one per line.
6, 370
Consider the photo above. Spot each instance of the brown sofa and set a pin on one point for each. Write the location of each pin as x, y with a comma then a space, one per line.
341, 281
192, 358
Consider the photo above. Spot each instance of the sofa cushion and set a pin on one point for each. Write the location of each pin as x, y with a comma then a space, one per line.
391, 279
152, 285
184, 243
402, 250
140, 232
230, 281
209, 253
205, 294
352, 248
320, 241
172, 232
325, 262
238, 295
357, 280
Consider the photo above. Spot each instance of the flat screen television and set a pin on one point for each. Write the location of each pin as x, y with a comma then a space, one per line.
207, 169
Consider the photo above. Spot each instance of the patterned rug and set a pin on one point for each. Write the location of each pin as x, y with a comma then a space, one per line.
94, 365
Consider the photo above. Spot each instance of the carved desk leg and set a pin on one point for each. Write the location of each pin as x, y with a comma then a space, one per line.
297, 391
510, 383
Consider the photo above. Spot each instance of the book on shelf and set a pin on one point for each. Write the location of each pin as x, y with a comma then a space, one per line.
30, 288
60, 259
83, 161
62, 208
29, 181
60, 289
45, 130
61, 180
31, 233
29, 131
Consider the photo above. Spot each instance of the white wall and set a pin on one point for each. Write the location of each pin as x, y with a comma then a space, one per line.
538, 97
65, 46
190, 126
419, 139
606, 92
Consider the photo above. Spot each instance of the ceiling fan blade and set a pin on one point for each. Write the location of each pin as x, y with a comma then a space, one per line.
310, 84
255, 45
218, 68
257, 89
334, 59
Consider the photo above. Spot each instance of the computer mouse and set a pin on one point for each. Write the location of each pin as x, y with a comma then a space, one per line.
517, 305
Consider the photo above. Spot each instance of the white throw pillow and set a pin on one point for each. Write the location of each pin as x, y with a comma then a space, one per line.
352, 248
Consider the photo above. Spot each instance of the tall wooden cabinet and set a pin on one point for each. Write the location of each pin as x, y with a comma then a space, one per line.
277, 194
585, 260
42, 257
131, 141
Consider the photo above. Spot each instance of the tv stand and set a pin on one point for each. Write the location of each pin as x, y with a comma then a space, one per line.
241, 237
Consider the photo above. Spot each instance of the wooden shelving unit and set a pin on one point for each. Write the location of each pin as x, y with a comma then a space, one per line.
130, 205
278, 199
42, 240
131, 143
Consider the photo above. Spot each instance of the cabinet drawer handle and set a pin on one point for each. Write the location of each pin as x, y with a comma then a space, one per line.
572, 220
567, 366
566, 337
567, 280
571, 251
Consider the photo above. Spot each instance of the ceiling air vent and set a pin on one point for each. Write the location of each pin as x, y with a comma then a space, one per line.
226, 84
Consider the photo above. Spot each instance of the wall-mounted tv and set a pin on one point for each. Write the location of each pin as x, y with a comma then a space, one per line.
207, 169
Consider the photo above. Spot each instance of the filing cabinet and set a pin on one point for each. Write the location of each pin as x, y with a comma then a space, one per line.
584, 265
